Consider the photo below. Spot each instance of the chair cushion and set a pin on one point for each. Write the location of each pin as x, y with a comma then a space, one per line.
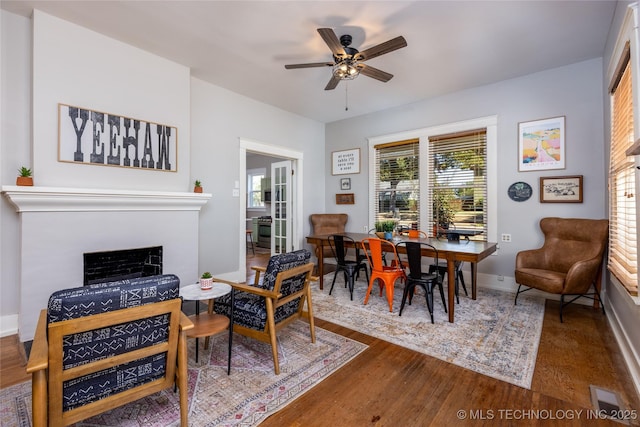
545, 280
250, 309
101, 343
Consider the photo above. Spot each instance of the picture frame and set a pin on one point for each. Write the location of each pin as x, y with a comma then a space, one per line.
561, 189
345, 162
541, 144
345, 199
345, 183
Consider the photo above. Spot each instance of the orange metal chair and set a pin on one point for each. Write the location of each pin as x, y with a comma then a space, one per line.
387, 275
415, 234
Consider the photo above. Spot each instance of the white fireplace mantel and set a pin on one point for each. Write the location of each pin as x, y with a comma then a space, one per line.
54, 199
59, 225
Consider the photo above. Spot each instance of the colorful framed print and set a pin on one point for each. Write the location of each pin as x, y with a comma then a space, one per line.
541, 145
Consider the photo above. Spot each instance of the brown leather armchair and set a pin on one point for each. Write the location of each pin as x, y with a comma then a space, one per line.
569, 261
327, 224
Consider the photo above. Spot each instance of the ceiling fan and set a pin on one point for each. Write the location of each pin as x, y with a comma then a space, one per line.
348, 62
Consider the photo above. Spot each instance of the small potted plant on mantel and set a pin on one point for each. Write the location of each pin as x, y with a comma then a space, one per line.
197, 187
206, 281
24, 177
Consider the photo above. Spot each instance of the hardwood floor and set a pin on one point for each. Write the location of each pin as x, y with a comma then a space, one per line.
388, 385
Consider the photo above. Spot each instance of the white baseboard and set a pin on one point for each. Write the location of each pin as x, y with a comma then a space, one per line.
8, 325
631, 357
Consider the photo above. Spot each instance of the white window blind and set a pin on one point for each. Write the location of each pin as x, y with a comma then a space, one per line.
622, 193
397, 188
458, 181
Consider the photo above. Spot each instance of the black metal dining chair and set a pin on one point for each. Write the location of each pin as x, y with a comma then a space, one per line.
417, 277
350, 267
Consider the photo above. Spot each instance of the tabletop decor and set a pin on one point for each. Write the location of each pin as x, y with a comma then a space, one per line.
561, 189
541, 145
107, 139
206, 281
345, 162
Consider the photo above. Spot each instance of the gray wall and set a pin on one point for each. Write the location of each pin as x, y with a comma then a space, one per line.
572, 91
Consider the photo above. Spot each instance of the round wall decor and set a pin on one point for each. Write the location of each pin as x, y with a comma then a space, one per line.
519, 191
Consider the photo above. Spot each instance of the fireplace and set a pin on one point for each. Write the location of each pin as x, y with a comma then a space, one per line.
122, 264
58, 226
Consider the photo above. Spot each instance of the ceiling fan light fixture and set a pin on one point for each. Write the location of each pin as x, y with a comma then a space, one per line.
346, 69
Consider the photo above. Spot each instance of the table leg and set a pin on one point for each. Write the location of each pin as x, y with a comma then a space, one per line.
231, 330
451, 277
197, 314
474, 279
321, 265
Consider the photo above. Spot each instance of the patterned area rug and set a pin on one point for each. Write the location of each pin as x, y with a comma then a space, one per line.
491, 335
246, 397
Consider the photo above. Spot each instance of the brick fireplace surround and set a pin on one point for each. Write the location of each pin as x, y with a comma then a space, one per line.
59, 225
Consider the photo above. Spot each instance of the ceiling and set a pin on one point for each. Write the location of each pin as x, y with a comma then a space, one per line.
452, 45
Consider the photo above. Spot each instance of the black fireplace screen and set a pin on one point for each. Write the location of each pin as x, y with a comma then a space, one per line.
122, 264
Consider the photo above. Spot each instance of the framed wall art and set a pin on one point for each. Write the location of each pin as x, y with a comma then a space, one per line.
561, 189
345, 183
345, 199
541, 145
345, 162
93, 137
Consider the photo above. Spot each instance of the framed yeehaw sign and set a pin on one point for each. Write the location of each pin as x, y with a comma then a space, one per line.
106, 139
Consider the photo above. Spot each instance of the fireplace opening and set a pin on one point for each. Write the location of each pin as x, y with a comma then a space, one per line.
122, 264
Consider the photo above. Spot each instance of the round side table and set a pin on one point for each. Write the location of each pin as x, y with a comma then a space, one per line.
210, 323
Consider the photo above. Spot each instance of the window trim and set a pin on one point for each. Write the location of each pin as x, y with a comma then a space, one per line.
423, 134
628, 38
252, 172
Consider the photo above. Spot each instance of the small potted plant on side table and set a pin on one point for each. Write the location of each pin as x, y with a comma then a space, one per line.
206, 281
24, 178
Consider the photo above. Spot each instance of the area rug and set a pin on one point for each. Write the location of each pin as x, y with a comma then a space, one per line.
491, 335
246, 397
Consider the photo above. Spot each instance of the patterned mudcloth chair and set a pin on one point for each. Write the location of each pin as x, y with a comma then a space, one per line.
276, 298
98, 347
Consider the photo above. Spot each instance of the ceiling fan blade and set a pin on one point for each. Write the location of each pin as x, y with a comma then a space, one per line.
386, 47
310, 65
375, 73
330, 38
332, 83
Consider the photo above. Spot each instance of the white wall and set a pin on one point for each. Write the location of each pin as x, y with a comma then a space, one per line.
79, 67
218, 119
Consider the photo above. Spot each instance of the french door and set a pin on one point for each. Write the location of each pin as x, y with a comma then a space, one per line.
281, 207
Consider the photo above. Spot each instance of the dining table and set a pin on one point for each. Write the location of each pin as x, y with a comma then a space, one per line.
453, 251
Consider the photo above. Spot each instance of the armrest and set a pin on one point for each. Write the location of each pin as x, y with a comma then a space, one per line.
581, 276
185, 322
257, 291
532, 258
39, 356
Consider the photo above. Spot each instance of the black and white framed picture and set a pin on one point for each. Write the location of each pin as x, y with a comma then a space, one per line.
345, 183
93, 137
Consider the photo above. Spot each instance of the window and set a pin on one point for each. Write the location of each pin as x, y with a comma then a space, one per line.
254, 188
622, 189
410, 170
458, 182
397, 189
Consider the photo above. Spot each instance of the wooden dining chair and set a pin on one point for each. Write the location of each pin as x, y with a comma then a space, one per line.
386, 275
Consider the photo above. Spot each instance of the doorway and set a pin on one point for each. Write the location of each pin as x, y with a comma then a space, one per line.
293, 222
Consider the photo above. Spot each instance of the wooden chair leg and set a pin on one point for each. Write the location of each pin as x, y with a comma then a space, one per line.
271, 324
182, 380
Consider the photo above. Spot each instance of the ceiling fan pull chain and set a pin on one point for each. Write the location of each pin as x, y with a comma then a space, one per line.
346, 95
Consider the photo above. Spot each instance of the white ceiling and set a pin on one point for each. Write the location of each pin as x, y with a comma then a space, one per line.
452, 45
